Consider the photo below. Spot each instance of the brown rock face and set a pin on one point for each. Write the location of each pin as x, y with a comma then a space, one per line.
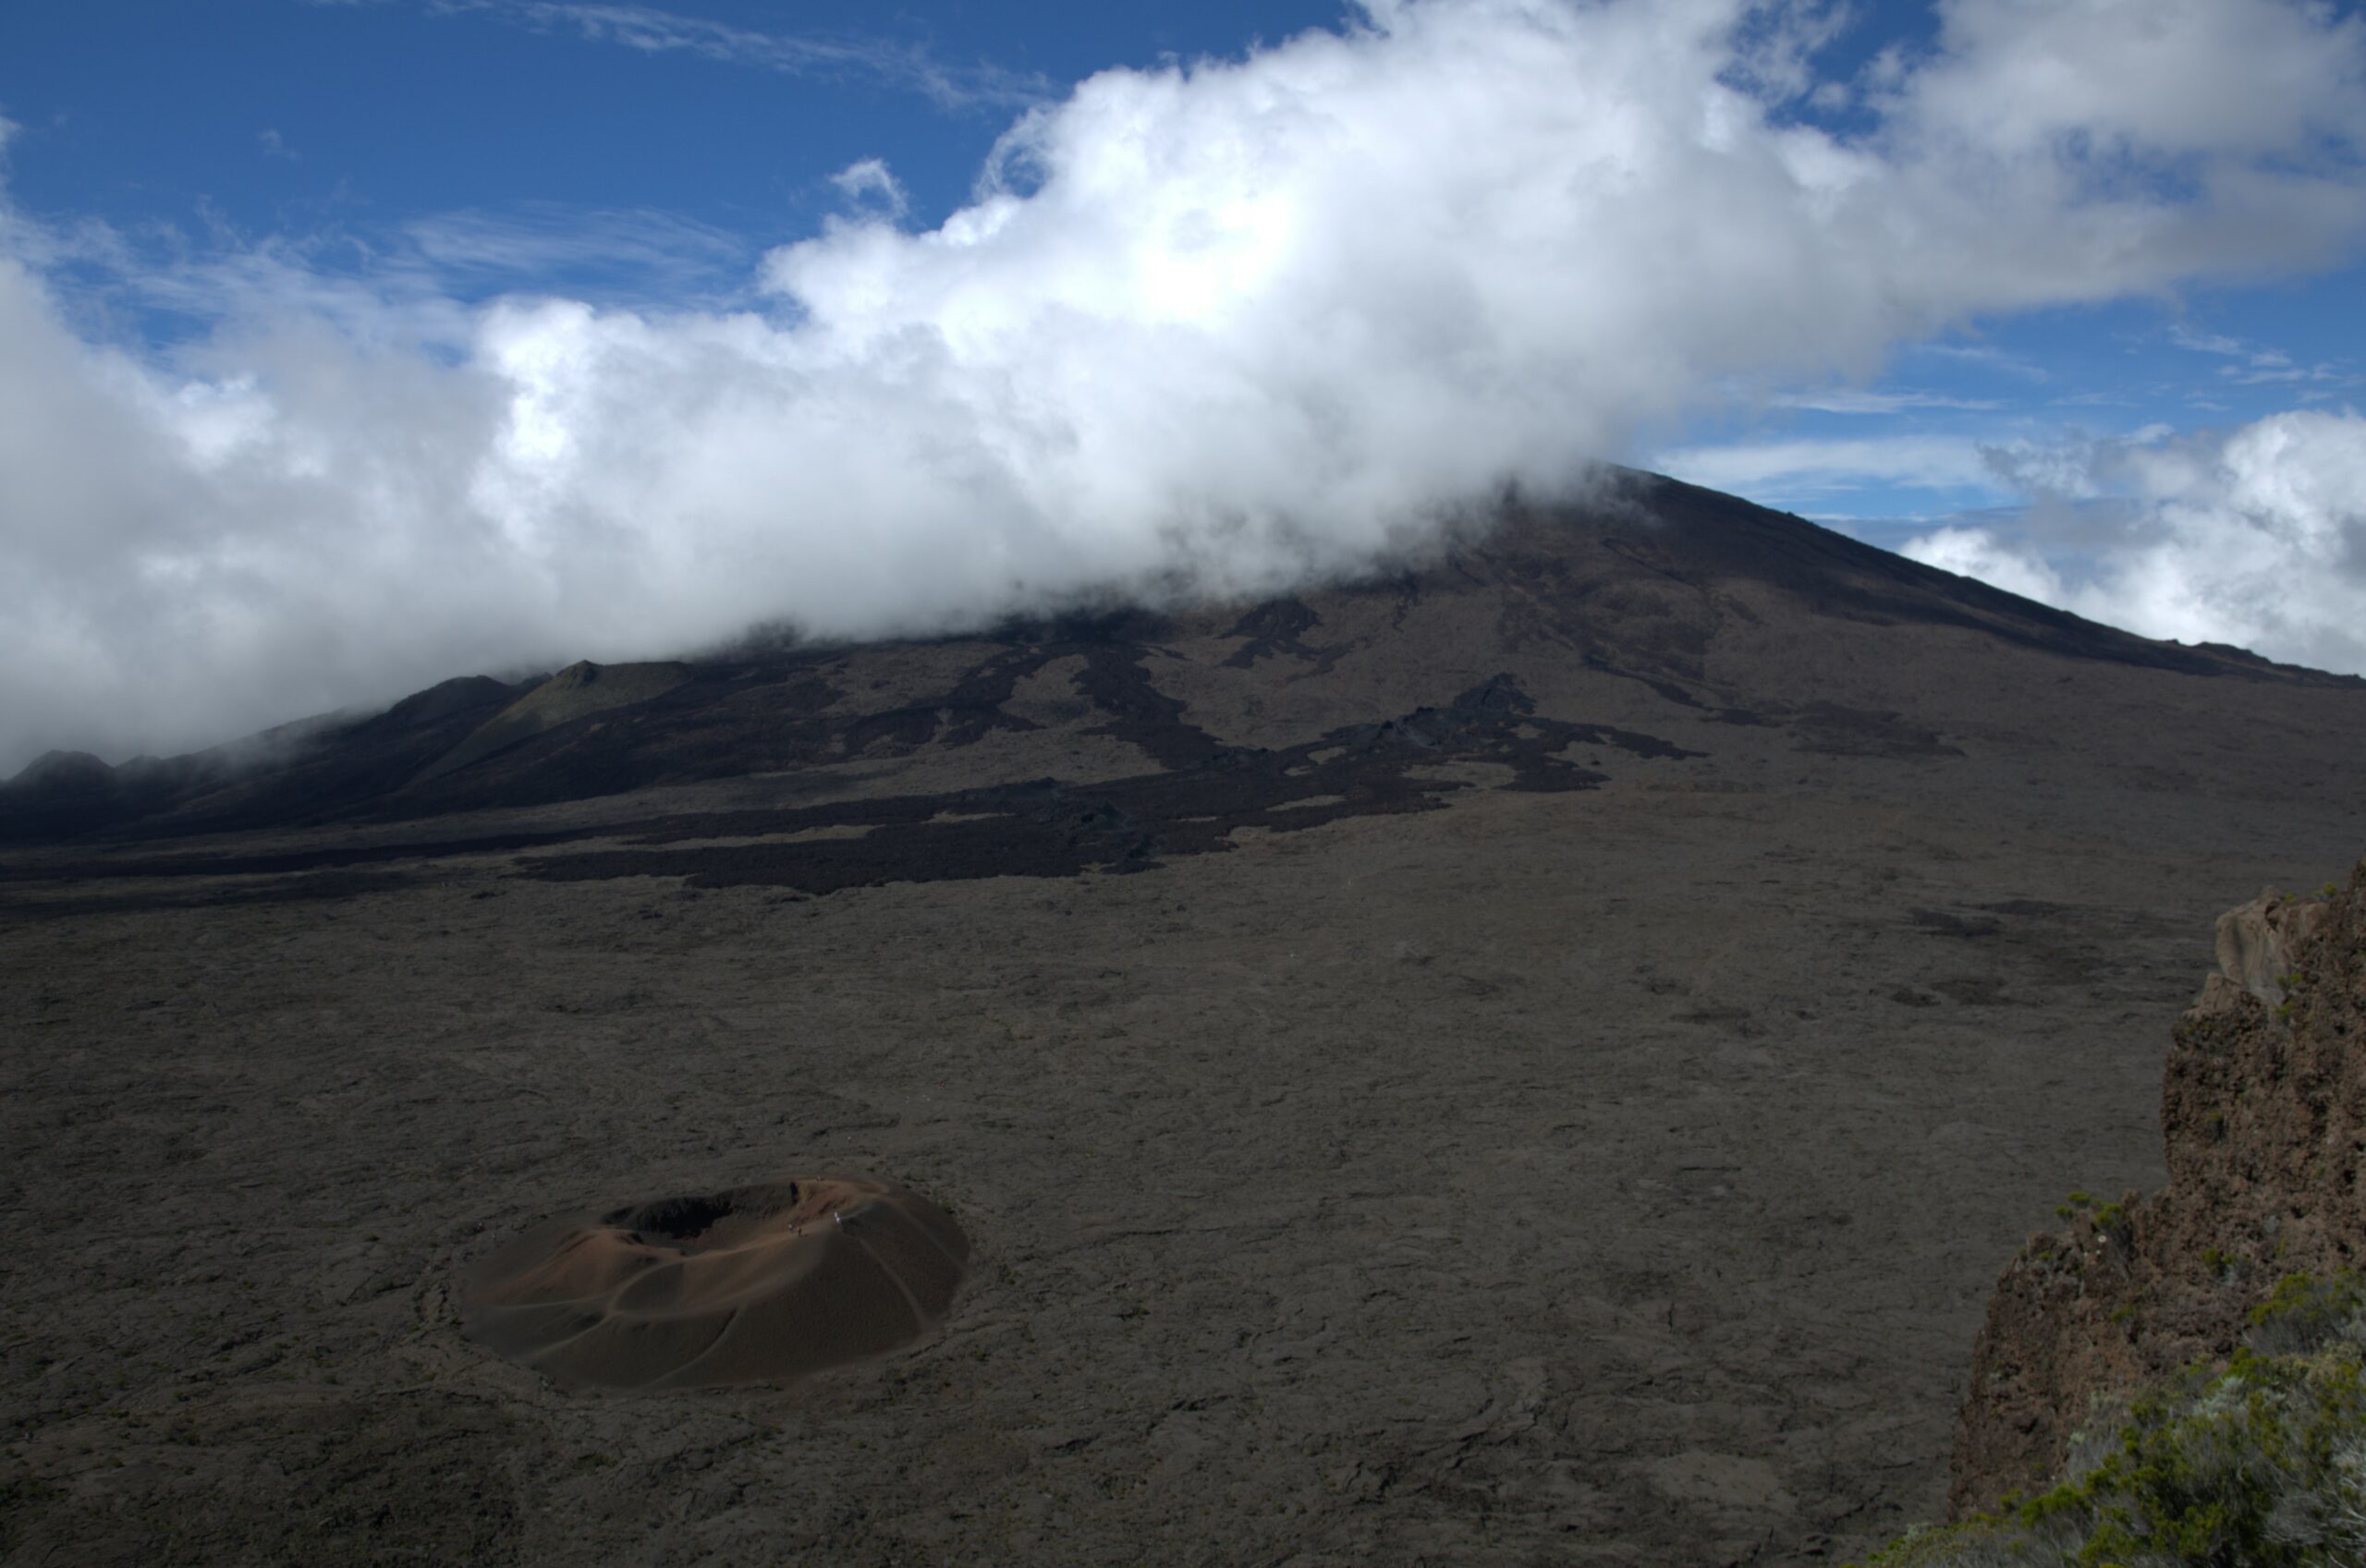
757, 1285
2263, 1116
2257, 946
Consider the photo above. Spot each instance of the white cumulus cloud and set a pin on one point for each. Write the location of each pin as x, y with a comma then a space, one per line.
1213, 328
2255, 537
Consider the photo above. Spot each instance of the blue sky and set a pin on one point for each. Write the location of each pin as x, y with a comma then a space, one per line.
314, 121
315, 296
2204, 357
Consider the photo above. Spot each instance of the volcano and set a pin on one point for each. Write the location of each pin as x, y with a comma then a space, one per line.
1540, 1053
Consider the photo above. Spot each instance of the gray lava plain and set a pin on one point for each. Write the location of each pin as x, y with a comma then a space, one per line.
1537, 1059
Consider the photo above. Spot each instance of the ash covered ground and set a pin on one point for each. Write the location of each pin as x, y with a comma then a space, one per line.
1539, 1058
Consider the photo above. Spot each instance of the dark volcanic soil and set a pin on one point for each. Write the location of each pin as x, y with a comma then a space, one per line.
1538, 1060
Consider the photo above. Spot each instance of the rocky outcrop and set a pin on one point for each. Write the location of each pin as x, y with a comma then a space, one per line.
2257, 946
2263, 1116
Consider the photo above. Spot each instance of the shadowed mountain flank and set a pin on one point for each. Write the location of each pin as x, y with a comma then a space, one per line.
766, 1284
576, 692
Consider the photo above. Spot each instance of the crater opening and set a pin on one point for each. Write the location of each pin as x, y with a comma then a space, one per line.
681, 1219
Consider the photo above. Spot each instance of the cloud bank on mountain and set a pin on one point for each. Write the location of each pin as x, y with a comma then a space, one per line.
2255, 537
1210, 329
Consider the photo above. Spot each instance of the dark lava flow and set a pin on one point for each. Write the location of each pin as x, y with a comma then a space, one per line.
1049, 829
1042, 829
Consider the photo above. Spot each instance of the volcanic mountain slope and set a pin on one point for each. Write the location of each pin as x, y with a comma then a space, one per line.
1533, 1058
1525, 643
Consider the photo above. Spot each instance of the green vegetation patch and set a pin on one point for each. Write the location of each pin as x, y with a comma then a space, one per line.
2257, 1464
573, 693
